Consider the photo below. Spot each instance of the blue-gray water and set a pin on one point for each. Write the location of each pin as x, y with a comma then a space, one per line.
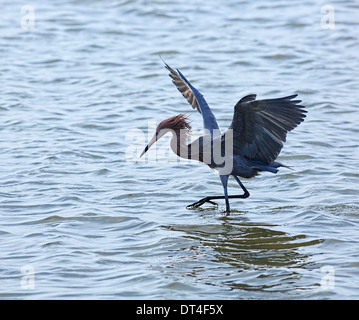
80, 219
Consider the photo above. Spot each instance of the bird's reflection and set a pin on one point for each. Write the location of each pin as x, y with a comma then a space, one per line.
245, 255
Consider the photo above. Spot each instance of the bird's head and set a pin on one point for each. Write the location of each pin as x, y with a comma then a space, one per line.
174, 124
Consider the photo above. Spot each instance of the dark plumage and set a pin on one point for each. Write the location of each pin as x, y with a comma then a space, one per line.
250, 145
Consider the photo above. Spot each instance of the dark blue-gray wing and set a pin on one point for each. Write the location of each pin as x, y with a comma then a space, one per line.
194, 98
183, 87
260, 126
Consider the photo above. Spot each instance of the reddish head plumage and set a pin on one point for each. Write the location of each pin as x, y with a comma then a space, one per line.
177, 122
180, 128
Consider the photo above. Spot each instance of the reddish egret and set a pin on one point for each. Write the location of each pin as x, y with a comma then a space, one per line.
250, 145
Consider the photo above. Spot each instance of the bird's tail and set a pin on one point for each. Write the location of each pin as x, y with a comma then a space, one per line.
272, 167
279, 164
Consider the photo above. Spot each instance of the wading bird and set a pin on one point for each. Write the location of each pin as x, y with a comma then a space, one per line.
250, 145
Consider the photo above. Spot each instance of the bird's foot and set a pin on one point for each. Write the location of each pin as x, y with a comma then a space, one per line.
200, 202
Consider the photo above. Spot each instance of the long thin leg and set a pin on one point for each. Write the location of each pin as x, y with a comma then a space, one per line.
224, 180
208, 199
246, 193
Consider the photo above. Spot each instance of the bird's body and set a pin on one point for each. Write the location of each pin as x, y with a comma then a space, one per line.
250, 145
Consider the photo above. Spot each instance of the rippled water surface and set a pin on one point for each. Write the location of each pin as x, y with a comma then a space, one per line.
81, 93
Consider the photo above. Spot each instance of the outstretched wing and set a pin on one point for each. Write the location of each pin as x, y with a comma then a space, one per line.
260, 126
195, 99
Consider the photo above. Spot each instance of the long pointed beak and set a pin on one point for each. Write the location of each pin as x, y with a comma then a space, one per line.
144, 151
153, 140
